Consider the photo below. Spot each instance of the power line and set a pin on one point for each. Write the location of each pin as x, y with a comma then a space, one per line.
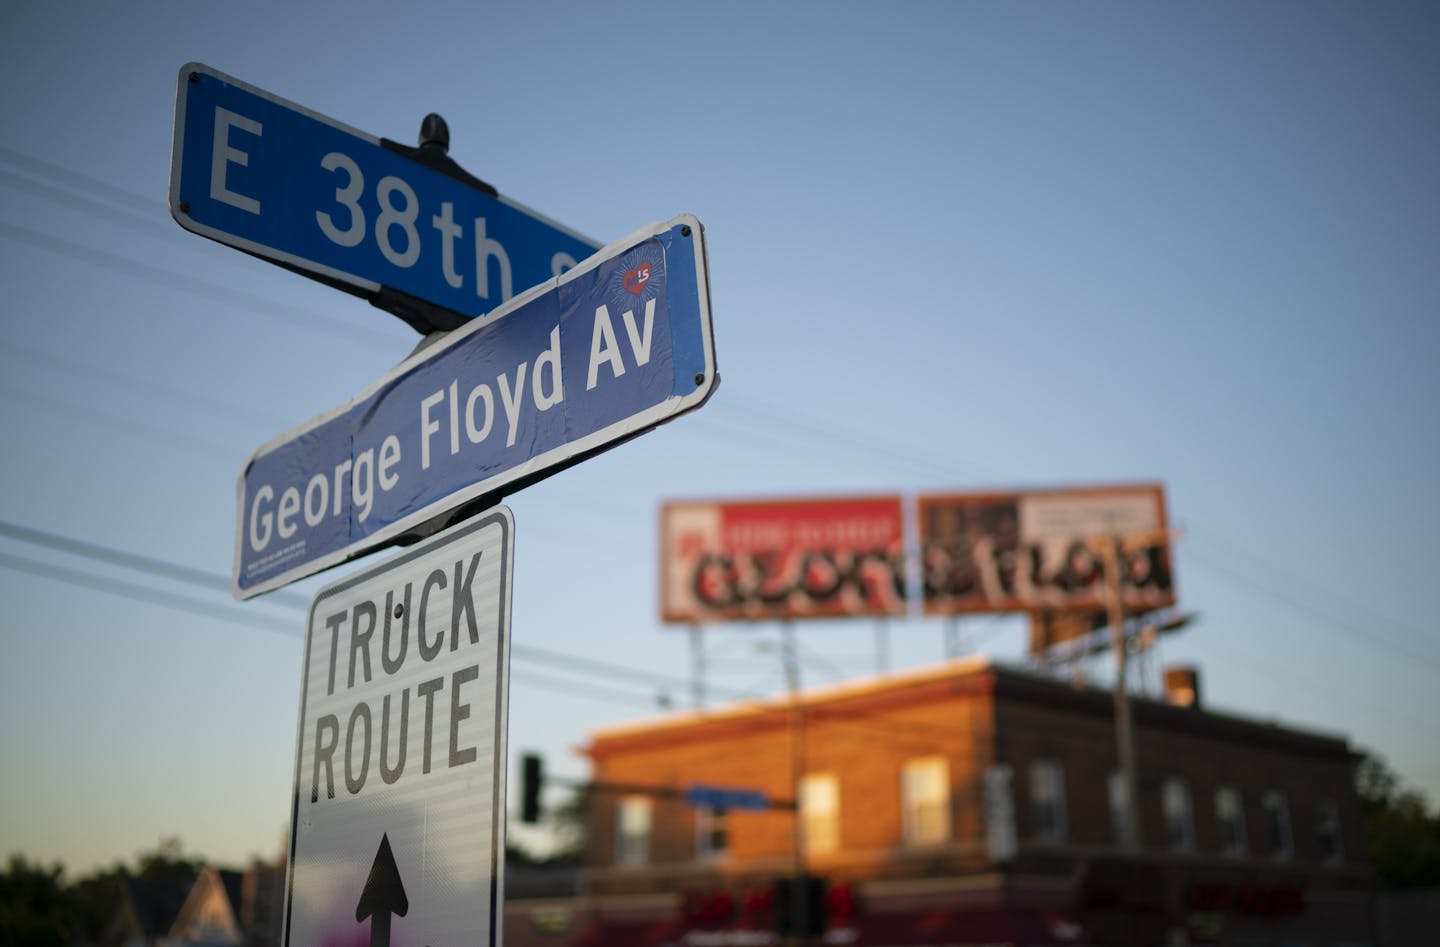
142, 593
1308, 589
151, 596
210, 291
130, 560
574, 688
94, 208
169, 396
811, 426
76, 179
901, 730
112, 422
213, 582
604, 667
1321, 618
824, 429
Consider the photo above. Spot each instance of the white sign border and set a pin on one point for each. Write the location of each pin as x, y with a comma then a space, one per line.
502, 516
304, 264
635, 424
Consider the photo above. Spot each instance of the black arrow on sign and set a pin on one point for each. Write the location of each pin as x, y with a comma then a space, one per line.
383, 896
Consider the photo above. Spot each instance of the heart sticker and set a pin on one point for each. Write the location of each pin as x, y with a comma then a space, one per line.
636, 279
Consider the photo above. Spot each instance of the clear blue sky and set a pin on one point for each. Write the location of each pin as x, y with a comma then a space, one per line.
953, 246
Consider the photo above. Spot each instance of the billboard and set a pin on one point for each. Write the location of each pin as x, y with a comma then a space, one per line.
1028, 551
782, 559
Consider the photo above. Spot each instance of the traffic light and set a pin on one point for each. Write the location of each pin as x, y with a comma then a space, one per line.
532, 779
812, 902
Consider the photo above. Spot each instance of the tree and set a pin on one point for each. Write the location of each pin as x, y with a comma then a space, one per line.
35, 907
1402, 837
569, 822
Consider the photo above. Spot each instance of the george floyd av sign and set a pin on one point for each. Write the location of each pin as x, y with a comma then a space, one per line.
607, 351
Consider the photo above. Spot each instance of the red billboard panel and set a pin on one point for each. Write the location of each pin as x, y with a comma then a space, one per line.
1034, 551
781, 559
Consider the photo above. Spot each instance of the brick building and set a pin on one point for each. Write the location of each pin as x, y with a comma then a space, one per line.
966, 804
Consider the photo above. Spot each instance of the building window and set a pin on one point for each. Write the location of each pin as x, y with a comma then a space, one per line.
1277, 826
712, 833
925, 801
1000, 841
820, 812
1230, 817
1179, 815
632, 832
1327, 825
1118, 794
1047, 800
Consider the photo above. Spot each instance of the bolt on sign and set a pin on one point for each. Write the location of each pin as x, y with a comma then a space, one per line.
398, 828
782, 559
1035, 550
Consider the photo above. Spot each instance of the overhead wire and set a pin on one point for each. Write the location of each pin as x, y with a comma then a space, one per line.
209, 581
76, 179
112, 421
168, 395
894, 727
812, 426
1322, 619
143, 593
157, 567
210, 291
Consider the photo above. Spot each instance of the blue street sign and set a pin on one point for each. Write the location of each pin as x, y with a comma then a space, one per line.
606, 351
725, 797
270, 177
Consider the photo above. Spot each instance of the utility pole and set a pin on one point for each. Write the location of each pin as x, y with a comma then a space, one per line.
1124, 719
791, 657
1110, 549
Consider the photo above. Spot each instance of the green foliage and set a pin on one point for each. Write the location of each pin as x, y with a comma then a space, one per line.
1402, 836
35, 906
38, 909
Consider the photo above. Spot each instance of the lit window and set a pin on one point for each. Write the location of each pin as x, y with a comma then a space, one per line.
820, 812
925, 801
712, 833
632, 835
1047, 800
1328, 830
1179, 815
1230, 817
1277, 826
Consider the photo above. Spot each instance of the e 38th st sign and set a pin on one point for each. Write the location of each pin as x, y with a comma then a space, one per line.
256, 172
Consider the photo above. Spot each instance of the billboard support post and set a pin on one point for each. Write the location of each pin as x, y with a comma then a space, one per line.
953, 647
697, 665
